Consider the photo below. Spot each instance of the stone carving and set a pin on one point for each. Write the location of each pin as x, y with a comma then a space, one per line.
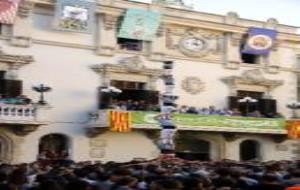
25, 8
252, 79
254, 76
109, 21
15, 59
133, 64
95, 142
231, 18
195, 43
97, 147
192, 85
271, 23
97, 153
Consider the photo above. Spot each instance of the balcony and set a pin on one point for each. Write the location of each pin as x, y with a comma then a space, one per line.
21, 119
144, 120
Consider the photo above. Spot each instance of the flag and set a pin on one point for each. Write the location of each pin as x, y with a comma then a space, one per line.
293, 128
259, 41
74, 15
8, 11
120, 121
140, 24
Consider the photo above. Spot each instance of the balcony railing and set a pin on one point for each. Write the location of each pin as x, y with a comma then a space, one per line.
194, 122
10, 113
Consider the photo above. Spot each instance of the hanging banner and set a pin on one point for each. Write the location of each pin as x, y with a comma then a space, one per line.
259, 41
120, 121
140, 24
182, 119
293, 127
74, 15
8, 11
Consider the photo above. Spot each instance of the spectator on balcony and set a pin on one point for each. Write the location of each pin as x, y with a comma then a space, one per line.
255, 113
236, 112
203, 111
183, 109
192, 110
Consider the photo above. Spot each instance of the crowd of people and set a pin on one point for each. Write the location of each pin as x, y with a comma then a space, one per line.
163, 173
211, 110
142, 105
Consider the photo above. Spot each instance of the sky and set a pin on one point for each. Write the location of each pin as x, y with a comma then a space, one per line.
285, 11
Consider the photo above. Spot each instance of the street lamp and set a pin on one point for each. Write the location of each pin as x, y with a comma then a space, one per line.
42, 89
247, 100
293, 106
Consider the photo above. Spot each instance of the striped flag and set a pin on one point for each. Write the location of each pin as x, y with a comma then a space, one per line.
120, 121
8, 11
293, 128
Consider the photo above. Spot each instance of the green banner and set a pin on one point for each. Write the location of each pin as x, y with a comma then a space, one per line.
147, 118
140, 24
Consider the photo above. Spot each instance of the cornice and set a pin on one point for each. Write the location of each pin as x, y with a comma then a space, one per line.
188, 18
15, 59
217, 129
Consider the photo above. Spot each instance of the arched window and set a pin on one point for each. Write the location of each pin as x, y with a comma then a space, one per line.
53, 146
193, 149
249, 150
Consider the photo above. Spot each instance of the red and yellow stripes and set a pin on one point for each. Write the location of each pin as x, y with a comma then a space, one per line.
293, 127
120, 121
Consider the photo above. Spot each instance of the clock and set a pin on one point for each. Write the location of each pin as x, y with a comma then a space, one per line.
195, 46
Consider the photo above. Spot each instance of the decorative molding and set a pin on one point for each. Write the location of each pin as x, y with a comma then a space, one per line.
21, 41
230, 137
15, 59
252, 77
236, 39
161, 30
25, 8
279, 138
133, 64
93, 132
192, 85
127, 65
23, 130
198, 43
231, 18
109, 21
272, 23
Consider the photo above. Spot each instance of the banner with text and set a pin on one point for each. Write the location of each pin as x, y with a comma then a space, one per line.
147, 118
140, 24
259, 41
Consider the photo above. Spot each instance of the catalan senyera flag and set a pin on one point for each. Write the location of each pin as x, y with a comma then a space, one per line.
8, 11
293, 128
120, 121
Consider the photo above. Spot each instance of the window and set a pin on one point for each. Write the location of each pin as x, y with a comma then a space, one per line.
298, 62
128, 85
130, 44
298, 88
248, 58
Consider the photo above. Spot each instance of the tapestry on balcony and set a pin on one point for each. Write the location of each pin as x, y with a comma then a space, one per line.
259, 41
74, 15
140, 24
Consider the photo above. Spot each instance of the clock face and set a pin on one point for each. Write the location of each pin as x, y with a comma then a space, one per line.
193, 44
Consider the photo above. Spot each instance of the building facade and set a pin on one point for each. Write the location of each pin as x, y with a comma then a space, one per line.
75, 65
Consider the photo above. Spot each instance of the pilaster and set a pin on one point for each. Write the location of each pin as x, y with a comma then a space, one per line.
22, 29
107, 27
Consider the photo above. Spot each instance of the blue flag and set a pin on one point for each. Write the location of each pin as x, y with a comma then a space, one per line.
260, 41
